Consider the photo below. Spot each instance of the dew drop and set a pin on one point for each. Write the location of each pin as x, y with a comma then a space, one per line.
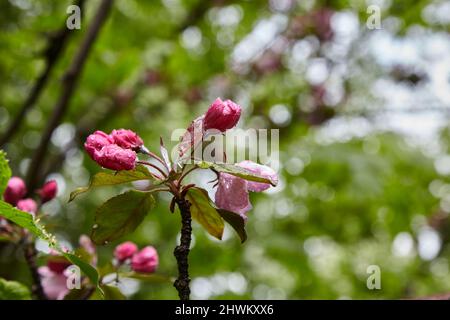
95, 226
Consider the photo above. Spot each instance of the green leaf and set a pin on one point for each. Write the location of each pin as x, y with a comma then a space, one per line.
5, 172
121, 215
24, 220
111, 178
13, 290
204, 212
79, 294
85, 267
235, 171
112, 293
236, 221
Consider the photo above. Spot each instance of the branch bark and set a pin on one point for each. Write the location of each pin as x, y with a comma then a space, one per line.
181, 251
30, 254
69, 83
55, 47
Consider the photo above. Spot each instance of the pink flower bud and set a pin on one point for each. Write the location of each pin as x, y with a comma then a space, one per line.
222, 115
48, 191
125, 251
115, 158
27, 205
127, 139
15, 190
95, 143
145, 261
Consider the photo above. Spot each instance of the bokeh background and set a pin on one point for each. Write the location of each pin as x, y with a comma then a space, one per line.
364, 140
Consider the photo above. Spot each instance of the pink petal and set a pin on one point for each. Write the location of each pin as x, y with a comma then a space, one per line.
232, 194
54, 284
261, 170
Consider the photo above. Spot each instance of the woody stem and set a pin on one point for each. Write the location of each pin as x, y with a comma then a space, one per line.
30, 256
153, 166
181, 251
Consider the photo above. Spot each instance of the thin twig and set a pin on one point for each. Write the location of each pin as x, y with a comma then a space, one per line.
69, 83
56, 44
30, 254
164, 175
184, 174
181, 251
154, 156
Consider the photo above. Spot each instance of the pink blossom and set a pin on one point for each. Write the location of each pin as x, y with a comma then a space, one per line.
95, 143
125, 251
27, 205
116, 158
232, 192
222, 115
127, 139
53, 283
261, 170
145, 261
15, 190
48, 191
88, 246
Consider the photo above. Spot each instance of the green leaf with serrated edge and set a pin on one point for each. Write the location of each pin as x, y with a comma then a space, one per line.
236, 221
5, 172
85, 267
26, 221
204, 212
121, 215
235, 171
13, 290
23, 219
111, 178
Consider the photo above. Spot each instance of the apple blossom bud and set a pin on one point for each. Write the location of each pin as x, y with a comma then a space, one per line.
222, 115
127, 139
27, 205
125, 251
95, 142
15, 190
116, 158
145, 261
48, 191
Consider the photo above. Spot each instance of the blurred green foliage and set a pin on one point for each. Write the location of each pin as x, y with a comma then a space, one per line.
340, 204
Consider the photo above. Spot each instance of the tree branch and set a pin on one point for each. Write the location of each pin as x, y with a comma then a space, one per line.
30, 254
54, 49
181, 251
69, 83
